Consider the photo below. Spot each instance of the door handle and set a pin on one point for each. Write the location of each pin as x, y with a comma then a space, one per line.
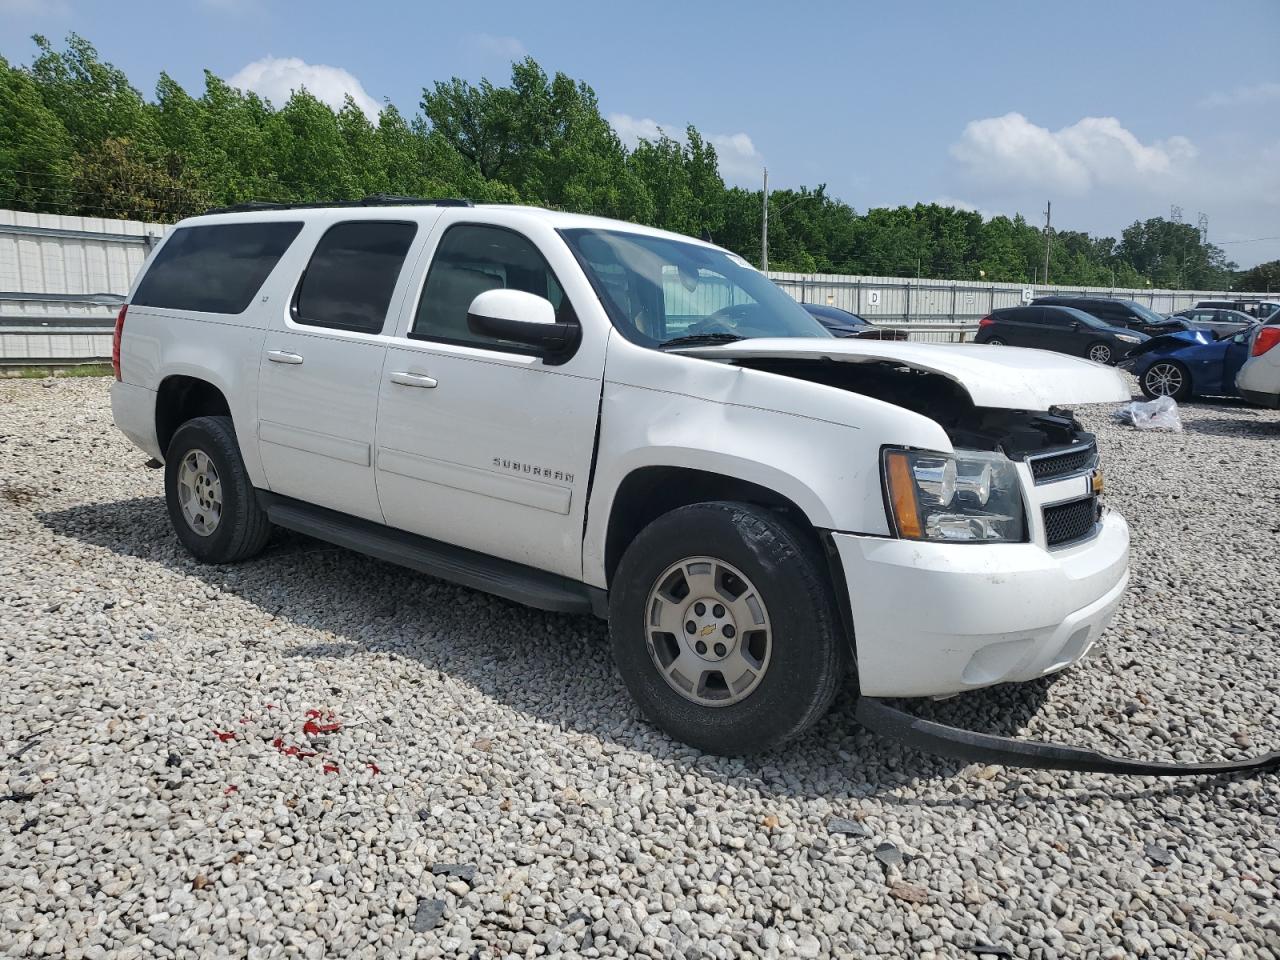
413, 380
283, 356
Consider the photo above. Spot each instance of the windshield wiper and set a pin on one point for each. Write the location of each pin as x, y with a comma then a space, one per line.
702, 339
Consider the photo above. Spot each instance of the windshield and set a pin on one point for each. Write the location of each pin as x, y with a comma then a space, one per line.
656, 290
1146, 313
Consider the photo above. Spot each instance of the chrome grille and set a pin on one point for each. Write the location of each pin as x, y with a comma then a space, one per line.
1053, 466
1071, 521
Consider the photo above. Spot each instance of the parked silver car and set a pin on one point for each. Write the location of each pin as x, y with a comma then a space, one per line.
1221, 322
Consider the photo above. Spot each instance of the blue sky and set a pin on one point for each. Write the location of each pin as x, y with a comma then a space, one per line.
1114, 111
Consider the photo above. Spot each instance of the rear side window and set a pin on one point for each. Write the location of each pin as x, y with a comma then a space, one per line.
352, 274
214, 269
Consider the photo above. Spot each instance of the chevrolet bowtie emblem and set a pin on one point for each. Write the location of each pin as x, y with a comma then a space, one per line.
708, 630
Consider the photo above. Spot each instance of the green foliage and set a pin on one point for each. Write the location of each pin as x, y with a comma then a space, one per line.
1265, 277
76, 137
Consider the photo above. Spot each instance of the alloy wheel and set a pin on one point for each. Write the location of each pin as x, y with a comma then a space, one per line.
708, 631
1164, 379
200, 492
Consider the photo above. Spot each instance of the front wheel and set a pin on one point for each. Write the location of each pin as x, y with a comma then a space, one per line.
1100, 352
725, 628
212, 503
1166, 378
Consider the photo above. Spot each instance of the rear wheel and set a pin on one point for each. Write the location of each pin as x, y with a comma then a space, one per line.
212, 504
995, 342
1166, 378
1100, 352
725, 628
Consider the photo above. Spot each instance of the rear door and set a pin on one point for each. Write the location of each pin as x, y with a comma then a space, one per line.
1019, 326
321, 365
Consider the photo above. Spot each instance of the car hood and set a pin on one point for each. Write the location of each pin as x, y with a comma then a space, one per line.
1004, 377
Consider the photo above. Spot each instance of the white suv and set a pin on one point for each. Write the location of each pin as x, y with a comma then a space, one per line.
591, 416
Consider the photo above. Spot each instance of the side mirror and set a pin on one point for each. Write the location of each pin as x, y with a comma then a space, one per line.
523, 318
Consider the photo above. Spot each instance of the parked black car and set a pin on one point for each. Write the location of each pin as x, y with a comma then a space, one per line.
1061, 329
1119, 313
842, 323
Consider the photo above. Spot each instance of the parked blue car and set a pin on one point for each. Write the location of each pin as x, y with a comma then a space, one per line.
1190, 363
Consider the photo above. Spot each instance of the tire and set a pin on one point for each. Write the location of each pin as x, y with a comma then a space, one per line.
798, 665
1166, 378
228, 523
995, 342
1100, 352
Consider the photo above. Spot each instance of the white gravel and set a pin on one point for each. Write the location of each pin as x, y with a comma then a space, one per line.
473, 732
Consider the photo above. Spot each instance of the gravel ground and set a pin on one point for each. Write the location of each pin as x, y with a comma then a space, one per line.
285, 757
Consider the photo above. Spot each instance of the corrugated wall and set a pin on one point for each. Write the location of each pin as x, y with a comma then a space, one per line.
60, 260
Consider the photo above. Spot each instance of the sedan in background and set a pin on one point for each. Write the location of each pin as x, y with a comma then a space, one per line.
1192, 363
1061, 329
842, 323
1216, 320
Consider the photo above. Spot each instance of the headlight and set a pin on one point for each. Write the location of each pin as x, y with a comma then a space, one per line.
1126, 338
966, 497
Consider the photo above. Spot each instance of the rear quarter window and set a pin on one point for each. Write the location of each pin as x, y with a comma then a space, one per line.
217, 268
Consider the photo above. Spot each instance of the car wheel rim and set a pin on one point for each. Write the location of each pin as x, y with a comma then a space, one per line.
1164, 379
200, 492
708, 632
1100, 354
995, 342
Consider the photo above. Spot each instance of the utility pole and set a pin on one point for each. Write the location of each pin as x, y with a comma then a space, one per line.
1048, 211
764, 227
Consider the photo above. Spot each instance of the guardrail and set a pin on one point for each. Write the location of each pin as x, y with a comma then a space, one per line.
68, 233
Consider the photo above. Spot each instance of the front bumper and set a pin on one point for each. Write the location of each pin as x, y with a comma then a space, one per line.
932, 619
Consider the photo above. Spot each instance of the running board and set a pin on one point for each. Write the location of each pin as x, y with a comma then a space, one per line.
973, 747
503, 578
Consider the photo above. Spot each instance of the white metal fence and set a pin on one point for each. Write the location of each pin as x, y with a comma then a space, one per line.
61, 280
897, 301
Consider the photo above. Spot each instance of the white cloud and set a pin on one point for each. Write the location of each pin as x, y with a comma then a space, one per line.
275, 78
1094, 151
1243, 96
498, 46
740, 162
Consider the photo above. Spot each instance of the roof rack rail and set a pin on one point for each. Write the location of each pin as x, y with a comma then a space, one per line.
374, 200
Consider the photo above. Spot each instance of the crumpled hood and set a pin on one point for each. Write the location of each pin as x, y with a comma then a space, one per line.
1011, 378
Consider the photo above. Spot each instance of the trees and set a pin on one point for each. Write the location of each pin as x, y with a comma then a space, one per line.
35, 149
1264, 278
76, 137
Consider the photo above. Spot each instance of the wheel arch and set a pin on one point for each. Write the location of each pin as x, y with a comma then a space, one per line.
182, 397
648, 492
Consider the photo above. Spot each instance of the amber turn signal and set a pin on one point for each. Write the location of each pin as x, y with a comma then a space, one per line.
902, 494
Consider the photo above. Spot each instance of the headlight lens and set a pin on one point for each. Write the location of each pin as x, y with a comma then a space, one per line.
1128, 338
969, 496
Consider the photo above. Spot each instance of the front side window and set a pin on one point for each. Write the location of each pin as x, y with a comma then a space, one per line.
217, 268
658, 290
470, 260
352, 274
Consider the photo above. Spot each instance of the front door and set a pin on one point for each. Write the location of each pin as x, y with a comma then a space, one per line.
318, 385
480, 443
